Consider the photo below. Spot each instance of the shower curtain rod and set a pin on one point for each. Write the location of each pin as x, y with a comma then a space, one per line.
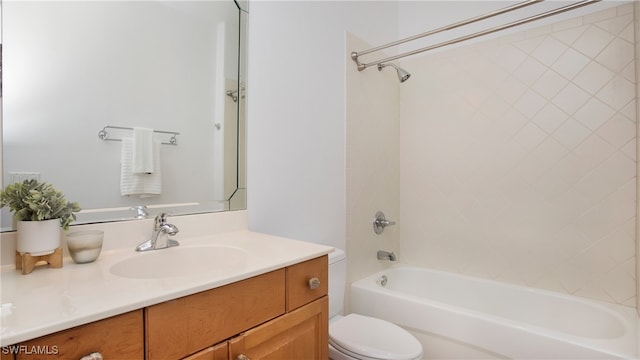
362, 66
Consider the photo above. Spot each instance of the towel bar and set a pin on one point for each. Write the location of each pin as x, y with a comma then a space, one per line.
104, 135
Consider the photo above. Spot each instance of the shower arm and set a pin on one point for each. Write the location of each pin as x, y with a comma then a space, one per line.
361, 66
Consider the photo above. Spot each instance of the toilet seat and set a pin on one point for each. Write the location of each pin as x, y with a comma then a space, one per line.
364, 337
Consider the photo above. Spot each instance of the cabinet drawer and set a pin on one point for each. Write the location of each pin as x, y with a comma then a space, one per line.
118, 337
299, 276
186, 325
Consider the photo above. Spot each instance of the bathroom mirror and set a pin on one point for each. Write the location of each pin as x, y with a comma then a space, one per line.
75, 69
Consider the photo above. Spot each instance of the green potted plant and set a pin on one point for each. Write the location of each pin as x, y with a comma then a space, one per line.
40, 211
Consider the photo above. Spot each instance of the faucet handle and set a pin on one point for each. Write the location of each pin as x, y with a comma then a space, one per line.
380, 222
161, 219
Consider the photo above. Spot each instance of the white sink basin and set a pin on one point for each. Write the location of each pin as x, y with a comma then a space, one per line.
180, 261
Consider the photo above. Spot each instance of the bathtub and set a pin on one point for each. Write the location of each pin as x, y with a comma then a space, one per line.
509, 321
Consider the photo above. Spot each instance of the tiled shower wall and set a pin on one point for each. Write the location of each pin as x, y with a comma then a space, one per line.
518, 158
372, 153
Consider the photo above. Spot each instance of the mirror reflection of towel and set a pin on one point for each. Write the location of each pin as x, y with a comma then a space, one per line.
142, 151
142, 185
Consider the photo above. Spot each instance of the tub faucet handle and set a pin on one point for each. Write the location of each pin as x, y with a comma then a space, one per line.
380, 222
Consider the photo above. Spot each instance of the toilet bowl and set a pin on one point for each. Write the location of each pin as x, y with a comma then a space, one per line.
358, 337
361, 337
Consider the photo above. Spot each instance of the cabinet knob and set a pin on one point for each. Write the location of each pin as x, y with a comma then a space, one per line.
314, 282
93, 356
242, 357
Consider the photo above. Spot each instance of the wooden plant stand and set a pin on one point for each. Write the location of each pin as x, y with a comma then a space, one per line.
26, 262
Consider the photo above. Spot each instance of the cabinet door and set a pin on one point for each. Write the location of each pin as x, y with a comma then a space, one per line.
180, 327
118, 337
217, 352
300, 334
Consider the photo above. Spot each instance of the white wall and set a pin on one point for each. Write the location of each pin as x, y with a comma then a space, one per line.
296, 112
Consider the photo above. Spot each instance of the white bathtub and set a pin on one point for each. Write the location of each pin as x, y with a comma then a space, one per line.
513, 321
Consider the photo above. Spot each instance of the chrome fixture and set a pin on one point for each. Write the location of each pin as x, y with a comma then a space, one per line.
233, 94
355, 56
380, 222
104, 135
383, 280
141, 211
160, 237
403, 75
385, 255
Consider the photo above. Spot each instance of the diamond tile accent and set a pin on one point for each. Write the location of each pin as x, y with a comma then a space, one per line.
511, 89
617, 55
618, 131
616, 25
570, 63
627, 34
571, 134
629, 72
630, 150
593, 77
550, 117
592, 41
530, 136
593, 151
549, 84
529, 71
549, 51
617, 93
530, 177
530, 103
529, 44
570, 35
571, 98
594, 113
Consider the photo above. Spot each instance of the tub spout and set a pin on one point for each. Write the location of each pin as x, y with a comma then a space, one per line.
385, 255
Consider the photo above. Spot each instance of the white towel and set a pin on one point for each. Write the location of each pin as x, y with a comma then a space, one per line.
143, 161
142, 185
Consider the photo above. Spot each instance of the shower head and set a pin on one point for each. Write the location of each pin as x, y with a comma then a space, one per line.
403, 74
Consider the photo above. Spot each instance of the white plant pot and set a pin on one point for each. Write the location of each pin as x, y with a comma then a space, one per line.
38, 237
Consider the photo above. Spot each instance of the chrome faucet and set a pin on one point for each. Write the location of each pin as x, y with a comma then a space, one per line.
385, 255
160, 237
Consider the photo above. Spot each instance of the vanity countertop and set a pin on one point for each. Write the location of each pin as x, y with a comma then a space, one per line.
50, 300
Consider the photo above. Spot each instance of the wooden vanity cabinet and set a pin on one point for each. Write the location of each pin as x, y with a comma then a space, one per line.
282, 314
118, 337
300, 332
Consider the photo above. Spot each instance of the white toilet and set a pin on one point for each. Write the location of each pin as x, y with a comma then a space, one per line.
357, 337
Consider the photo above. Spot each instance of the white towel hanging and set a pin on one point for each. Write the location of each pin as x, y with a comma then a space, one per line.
143, 156
142, 185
